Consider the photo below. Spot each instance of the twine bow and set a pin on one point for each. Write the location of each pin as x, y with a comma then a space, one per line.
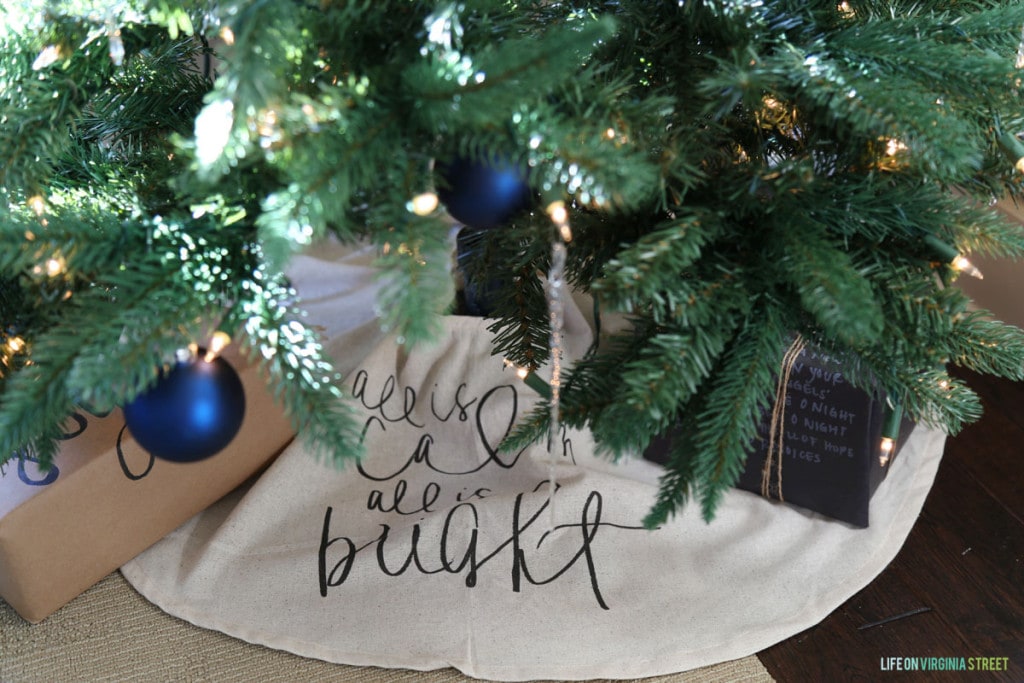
778, 424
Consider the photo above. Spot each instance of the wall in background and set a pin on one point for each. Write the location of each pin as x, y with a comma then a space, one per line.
1002, 290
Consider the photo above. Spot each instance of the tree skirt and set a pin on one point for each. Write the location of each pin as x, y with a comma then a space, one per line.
439, 550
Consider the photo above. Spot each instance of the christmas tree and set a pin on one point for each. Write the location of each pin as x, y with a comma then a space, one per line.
727, 173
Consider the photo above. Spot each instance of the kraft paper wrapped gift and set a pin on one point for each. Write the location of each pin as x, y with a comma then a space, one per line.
106, 500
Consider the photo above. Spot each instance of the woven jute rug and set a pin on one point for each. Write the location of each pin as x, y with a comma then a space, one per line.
111, 633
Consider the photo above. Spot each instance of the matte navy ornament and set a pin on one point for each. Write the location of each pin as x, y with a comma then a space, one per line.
483, 193
191, 413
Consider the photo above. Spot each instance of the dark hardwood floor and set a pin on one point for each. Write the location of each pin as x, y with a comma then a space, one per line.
959, 579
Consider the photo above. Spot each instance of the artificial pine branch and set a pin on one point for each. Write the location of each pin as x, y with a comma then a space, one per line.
712, 441
158, 92
38, 113
735, 172
521, 329
655, 266
412, 287
987, 346
301, 377
675, 485
829, 285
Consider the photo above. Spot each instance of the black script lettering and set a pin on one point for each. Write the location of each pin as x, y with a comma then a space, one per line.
458, 548
458, 404
492, 445
366, 427
359, 389
480, 493
344, 564
567, 445
123, 461
430, 494
81, 423
469, 556
422, 455
412, 557
588, 530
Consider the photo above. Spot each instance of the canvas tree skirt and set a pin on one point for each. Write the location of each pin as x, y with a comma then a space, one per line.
439, 550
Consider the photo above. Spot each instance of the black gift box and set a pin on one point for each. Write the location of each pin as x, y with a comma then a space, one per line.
830, 444
475, 297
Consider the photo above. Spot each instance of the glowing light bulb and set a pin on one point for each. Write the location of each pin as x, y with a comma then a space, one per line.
49, 55
116, 47
15, 344
560, 217
558, 212
267, 128
531, 379
1019, 63
424, 204
890, 432
213, 128
54, 266
894, 147
947, 253
227, 35
963, 265
520, 371
886, 449
218, 343
37, 204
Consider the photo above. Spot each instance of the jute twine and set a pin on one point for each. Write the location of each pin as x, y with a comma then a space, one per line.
776, 433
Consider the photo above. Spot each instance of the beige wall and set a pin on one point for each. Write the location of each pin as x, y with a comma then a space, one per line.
1002, 290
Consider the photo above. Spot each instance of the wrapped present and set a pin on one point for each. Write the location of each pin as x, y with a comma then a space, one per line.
827, 454
827, 451
105, 500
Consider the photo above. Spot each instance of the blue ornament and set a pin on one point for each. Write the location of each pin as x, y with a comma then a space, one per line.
483, 193
191, 413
